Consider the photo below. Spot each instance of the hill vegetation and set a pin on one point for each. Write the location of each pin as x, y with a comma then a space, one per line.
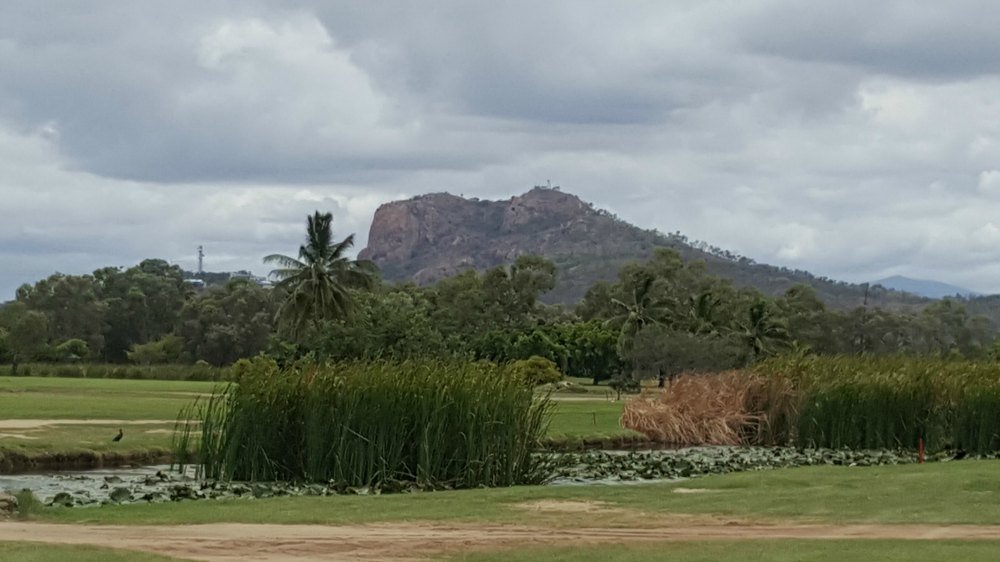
430, 237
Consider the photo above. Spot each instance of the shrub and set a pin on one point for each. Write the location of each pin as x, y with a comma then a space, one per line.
28, 505
625, 384
536, 371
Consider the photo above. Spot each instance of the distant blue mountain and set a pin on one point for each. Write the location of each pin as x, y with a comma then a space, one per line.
924, 287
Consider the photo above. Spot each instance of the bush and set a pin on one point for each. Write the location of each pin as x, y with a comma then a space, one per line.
27, 504
381, 425
72, 350
625, 384
536, 371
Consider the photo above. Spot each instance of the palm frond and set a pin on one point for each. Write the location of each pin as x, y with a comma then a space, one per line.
284, 261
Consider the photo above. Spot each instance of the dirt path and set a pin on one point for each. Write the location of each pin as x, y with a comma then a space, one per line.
228, 542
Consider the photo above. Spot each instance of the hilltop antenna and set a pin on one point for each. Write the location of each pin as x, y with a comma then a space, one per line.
201, 260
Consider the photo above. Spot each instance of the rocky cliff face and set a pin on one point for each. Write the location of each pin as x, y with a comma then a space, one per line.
430, 237
433, 236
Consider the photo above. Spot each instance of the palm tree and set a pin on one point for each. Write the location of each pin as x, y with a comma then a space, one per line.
318, 282
702, 313
762, 333
645, 305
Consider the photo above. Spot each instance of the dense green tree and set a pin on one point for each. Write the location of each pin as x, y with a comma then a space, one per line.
143, 304
659, 350
318, 283
25, 333
71, 306
591, 349
227, 323
388, 324
597, 303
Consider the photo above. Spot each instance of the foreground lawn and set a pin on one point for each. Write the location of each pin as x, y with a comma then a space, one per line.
754, 551
938, 493
35, 552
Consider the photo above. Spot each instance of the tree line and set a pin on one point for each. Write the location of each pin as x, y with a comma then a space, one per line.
659, 318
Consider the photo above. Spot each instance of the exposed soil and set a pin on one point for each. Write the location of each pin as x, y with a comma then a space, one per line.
15, 436
227, 542
569, 506
12, 462
38, 424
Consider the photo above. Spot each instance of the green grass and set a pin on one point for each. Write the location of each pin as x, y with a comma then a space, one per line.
753, 551
90, 437
93, 399
591, 419
36, 552
939, 493
44, 398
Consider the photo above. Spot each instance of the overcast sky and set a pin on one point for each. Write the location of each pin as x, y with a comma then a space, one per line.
856, 140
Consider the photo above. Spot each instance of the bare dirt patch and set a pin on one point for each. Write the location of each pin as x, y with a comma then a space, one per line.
228, 542
696, 491
41, 423
569, 506
15, 436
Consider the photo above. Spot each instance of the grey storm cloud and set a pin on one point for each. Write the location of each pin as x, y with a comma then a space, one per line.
852, 139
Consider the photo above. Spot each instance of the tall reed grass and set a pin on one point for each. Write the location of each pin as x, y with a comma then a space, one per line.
380, 425
855, 402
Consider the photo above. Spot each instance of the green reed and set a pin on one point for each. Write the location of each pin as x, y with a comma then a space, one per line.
866, 402
380, 425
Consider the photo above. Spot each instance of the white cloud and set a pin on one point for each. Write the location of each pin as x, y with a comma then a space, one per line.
989, 181
863, 145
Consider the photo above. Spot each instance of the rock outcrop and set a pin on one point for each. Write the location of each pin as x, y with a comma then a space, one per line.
434, 236
8, 505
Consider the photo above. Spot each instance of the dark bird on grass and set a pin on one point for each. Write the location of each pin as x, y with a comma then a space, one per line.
119, 436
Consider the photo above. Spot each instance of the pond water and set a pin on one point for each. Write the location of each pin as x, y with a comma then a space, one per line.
95, 486
159, 483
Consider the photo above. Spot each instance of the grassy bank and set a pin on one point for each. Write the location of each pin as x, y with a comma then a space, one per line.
752, 551
36, 552
951, 493
961, 492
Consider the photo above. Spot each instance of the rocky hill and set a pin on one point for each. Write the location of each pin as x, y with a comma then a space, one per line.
437, 235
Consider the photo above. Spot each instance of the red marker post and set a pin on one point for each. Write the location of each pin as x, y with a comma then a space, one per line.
920, 450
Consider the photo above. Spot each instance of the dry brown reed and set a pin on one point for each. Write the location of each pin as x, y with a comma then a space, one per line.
730, 408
